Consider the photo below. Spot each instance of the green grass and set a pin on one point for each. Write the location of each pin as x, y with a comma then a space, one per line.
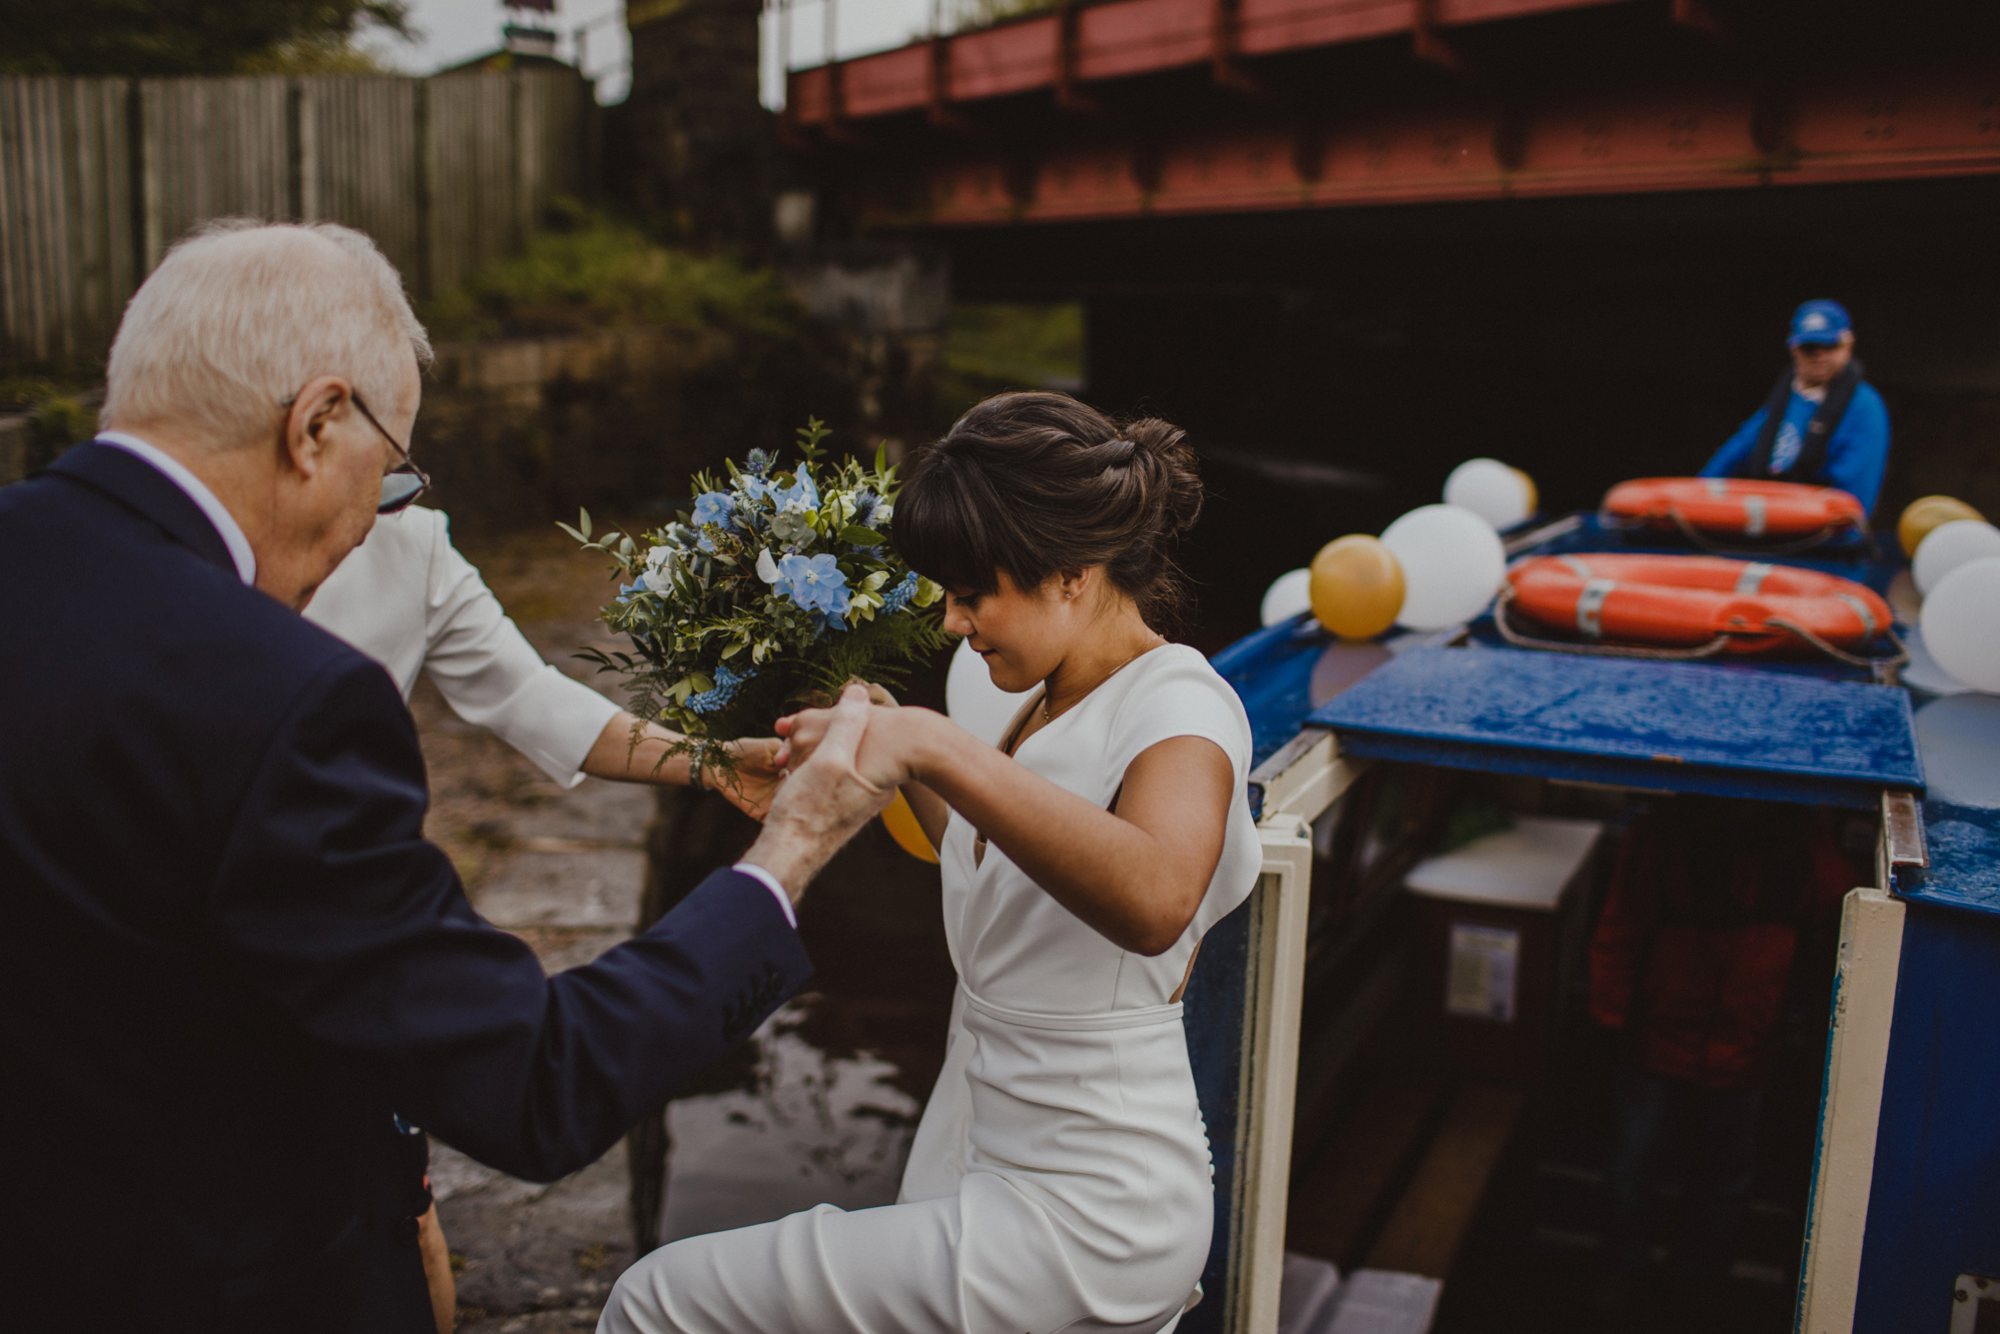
590, 271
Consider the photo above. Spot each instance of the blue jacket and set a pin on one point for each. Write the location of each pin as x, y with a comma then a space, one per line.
230, 956
1857, 454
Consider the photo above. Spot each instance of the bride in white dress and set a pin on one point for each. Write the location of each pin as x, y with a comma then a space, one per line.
1060, 1177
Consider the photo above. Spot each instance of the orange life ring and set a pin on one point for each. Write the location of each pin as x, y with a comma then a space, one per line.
1735, 507
1683, 601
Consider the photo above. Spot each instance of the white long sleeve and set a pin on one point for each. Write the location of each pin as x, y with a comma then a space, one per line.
407, 598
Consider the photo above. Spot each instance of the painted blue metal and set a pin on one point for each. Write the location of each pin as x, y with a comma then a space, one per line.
1959, 737
1931, 1206
1657, 725
1271, 671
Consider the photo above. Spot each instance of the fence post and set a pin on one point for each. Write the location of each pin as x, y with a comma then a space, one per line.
421, 114
302, 152
517, 175
145, 184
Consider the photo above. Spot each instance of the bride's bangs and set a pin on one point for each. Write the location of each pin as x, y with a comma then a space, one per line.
940, 532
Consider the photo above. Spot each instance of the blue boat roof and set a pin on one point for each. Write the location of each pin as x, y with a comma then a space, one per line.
1666, 726
1809, 731
1765, 729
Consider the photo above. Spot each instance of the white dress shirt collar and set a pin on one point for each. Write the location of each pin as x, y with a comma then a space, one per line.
217, 514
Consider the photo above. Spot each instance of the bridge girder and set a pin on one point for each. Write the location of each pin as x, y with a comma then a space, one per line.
1137, 108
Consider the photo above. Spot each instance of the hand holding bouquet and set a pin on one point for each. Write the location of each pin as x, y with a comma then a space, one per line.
773, 590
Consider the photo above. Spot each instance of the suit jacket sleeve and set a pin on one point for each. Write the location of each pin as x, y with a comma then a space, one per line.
331, 903
493, 677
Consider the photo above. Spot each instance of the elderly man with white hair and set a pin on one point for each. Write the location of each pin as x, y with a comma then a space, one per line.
234, 972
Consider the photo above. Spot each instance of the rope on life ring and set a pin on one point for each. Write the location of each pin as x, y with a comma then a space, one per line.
1775, 517
1510, 633
1741, 606
1700, 539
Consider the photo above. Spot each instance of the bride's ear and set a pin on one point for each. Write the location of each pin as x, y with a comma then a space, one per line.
1072, 584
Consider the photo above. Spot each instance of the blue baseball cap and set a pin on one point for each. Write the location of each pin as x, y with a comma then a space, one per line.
1819, 322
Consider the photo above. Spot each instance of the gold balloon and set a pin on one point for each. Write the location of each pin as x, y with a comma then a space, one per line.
1534, 492
1357, 586
903, 827
1930, 512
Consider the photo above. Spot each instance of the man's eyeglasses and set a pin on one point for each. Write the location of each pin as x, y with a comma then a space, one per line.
402, 484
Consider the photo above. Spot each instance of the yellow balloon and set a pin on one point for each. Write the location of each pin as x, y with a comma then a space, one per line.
1930, 512
1534, 492
1357, 586
903, 827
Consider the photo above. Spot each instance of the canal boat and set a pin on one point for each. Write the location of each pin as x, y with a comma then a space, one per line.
1896, 1227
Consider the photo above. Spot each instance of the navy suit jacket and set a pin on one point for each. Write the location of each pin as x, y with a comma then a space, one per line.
228, 957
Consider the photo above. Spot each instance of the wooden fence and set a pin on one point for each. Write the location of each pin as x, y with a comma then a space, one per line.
99, 176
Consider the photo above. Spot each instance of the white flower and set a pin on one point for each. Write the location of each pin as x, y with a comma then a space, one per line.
880, 518
767, 569
658, 576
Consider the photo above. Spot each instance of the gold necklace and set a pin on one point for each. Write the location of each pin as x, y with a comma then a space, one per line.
1048, 717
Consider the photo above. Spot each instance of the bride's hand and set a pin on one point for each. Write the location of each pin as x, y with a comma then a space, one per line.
887, 749
755, 780
876, 694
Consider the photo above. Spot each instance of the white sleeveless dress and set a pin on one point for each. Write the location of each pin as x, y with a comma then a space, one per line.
1060, 1177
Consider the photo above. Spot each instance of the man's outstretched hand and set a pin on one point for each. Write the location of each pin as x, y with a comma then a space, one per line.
822, 802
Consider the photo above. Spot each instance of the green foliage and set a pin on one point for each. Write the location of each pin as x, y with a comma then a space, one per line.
321, 54
772, 590
1004, 345
187, 37
61, 416
985, 13
590, 271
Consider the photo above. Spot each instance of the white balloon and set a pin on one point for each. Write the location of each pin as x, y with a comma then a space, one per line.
1289, 594
1490, 489
1950, 545
1922, 672
972, 700
1961, 623
1452, 562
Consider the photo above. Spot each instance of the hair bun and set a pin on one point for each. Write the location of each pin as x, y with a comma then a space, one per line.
1116, 452
1176, 469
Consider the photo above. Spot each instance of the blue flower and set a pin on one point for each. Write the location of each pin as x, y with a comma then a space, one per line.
714, 507
864, 507
899, 597
626, 591
814, 583
801, 494
760, 462
727, 682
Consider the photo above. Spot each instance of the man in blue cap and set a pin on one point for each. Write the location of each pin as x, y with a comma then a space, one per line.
1823, 423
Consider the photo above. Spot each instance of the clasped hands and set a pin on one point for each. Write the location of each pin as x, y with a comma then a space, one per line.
838, 776
886, 753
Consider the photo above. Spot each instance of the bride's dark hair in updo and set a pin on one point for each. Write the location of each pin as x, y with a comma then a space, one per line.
1039, 484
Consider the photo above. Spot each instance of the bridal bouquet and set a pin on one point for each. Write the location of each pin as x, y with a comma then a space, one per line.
772, 591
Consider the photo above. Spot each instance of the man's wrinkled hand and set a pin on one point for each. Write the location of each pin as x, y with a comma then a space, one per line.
824, 799
883, 758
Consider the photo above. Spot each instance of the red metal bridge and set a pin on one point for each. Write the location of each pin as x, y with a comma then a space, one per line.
1124, 108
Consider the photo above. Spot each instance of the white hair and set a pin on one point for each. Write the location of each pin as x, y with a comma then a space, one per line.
242, 314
